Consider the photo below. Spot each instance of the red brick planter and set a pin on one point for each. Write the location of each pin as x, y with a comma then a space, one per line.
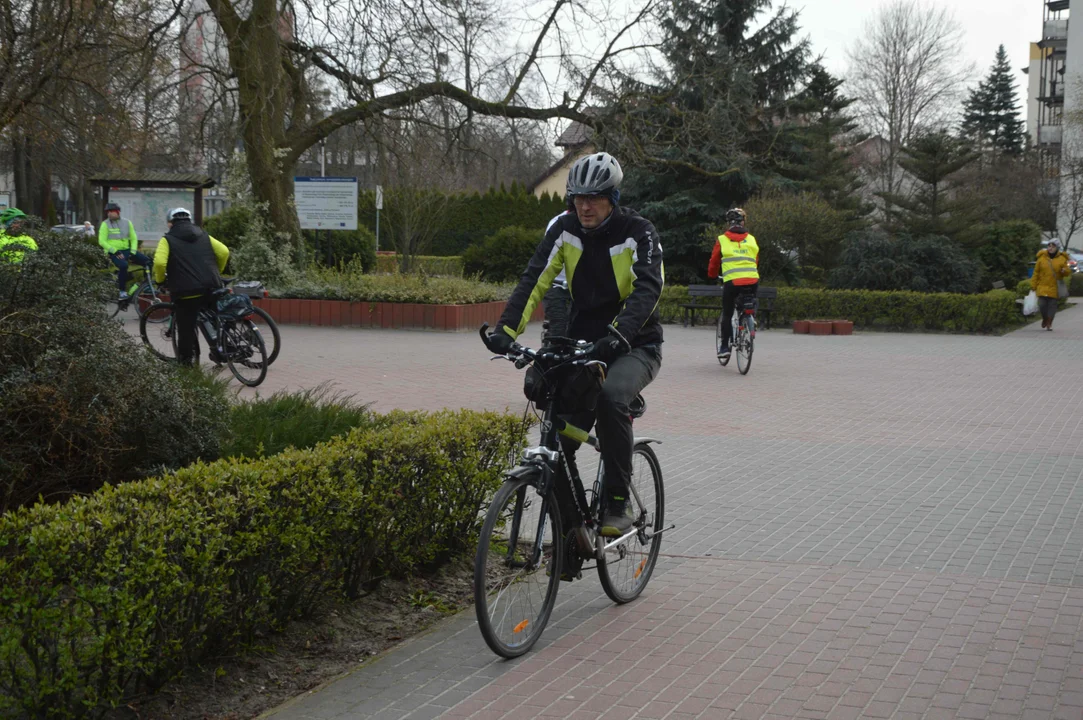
820, 327
842, 327
344, 313
800, 327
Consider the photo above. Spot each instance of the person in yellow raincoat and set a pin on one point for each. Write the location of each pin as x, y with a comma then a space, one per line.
1051, 266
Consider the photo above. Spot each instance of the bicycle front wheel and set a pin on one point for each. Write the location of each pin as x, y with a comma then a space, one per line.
244, 351
743, 345
144, 298
157, 328
517, 567
625, 569
276, 339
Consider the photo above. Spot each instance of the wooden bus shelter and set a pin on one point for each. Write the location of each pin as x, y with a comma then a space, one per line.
157, 180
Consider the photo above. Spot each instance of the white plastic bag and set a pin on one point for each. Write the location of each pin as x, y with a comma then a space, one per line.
1030, 303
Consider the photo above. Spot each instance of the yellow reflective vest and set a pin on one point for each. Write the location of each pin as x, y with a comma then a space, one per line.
18, 244
735, 258
117, 236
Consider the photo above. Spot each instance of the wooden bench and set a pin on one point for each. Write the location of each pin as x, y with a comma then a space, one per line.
765, 295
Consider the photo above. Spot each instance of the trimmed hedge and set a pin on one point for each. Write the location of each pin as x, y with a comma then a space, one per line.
349, 283
439, 265
469, 218
504, 256
983, 313
116, 593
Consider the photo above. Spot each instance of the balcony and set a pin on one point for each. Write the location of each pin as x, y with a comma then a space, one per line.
1055, 29
1057, 5
1050, 134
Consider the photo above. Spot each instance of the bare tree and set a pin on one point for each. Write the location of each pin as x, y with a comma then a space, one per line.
378, 57
907, 76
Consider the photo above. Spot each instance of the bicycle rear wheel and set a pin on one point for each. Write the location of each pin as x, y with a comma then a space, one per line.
276, 339
624, 570
517, 567
157, 327
718, 342
743, 344
244, 351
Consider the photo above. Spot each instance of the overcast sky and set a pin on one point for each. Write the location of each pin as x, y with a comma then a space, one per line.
832, 26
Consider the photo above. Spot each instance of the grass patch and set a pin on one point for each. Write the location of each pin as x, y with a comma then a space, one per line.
267, 426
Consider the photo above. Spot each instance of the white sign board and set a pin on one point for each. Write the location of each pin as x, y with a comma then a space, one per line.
379, 197
326, 203
148, 210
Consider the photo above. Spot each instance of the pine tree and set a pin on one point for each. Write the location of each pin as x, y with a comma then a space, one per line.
935, 208
991, 112
820, 159
712, 119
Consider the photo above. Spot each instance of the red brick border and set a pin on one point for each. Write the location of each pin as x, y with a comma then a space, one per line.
344, 313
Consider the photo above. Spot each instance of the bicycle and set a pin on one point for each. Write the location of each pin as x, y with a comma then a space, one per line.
742, 335
236, 341
141, 293
524, 549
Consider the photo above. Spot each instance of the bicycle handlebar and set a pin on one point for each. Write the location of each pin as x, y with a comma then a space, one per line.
523, 356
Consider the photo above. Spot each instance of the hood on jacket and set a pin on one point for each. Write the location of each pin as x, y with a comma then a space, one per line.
737, 233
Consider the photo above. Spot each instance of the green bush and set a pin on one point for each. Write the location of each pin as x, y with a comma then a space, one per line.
873, 260
503, 256
1004, 249
347, 282
803, 224
81, 401
435, 265
472, 217
231, 225
268, 425
114, 594
988, 312
1075, 285
1022, 288
346, 245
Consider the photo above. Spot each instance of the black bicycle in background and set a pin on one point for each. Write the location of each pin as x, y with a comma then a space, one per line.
742, 335
529, 542
225, 325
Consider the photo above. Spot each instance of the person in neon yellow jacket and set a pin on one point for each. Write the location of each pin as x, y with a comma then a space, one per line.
192, 262
13, 243
119, 241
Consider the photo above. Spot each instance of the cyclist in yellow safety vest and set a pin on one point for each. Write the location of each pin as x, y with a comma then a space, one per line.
737, 256
13, 244
119, 241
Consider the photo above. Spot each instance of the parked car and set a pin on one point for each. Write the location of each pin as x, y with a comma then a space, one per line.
69, 229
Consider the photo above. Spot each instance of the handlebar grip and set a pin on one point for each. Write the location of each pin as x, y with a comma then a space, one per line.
485, 336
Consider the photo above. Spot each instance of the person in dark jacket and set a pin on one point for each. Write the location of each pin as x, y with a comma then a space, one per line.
613, 263
191, 261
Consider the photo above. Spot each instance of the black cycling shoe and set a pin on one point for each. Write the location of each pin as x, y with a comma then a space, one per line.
618, 517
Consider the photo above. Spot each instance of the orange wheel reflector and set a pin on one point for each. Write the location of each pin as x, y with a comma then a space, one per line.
521, 626
639, 569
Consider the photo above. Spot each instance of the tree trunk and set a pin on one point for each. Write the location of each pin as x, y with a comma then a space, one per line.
256, 56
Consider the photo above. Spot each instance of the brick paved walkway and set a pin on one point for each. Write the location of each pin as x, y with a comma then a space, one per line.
881, 525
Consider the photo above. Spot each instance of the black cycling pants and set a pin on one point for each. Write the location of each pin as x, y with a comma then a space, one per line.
626, 378
730, 293
186, 312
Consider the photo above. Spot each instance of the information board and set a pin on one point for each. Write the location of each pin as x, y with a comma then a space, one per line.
326, 203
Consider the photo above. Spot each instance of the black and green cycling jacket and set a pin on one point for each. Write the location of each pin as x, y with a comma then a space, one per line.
614, 275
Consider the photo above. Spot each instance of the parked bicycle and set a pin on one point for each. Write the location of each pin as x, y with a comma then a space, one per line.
541, 525
743, 333
227, 329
